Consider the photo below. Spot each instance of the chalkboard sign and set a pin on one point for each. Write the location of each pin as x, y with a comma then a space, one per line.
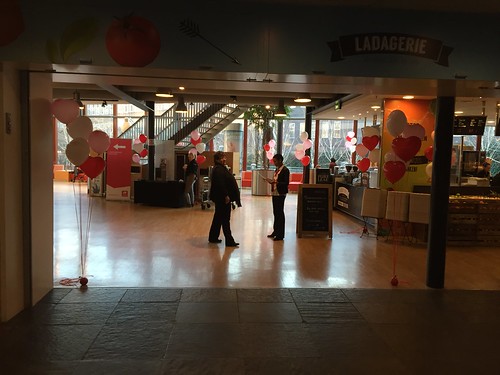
323, 176
314, 206
469, 125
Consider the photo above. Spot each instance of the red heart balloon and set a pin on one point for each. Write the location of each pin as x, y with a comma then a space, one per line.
406, 148
370, 142
93, 166
143, 138
429, 152
305, 160
200, 159
195, 141
363, 164
143, 153
394, 171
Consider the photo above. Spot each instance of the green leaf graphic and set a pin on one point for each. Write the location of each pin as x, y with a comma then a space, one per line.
78, 36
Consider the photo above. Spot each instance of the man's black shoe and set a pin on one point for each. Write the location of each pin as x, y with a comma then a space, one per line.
232, 244
277, 239
215, 241
272, 235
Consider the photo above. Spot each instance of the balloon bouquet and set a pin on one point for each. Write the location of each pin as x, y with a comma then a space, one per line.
84, 152
405, 145
199, 147
300, 149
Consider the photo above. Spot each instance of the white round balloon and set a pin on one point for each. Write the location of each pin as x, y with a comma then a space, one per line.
396, 122
304, 136
77, 151
200, 147
81, 127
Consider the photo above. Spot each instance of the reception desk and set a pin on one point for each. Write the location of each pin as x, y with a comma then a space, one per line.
159, 193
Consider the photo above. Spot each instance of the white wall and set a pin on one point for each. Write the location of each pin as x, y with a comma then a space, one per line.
11, 238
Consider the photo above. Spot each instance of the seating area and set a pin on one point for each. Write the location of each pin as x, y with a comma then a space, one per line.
246, 179
296, 179
60, 174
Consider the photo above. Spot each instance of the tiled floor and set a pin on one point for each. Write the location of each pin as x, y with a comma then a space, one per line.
255, 331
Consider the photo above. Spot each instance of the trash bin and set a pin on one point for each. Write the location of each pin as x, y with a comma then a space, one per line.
259, 185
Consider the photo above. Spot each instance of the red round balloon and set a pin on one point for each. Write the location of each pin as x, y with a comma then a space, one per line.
83, 281
195, 141
267, 147
394, 281
200, 159
429, 152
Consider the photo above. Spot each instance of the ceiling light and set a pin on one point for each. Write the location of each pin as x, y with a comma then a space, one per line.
182, 88
104, 103
459, 112
76, 98
303, 98
280, 112
164, 93
181, 106
375, 107
408, 97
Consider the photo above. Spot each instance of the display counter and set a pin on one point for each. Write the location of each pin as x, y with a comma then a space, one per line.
473, 221
348, 198
159, 193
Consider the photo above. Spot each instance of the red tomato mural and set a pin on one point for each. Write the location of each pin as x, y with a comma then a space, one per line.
133, 41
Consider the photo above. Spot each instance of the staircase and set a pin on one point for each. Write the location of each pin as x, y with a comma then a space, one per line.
207, 119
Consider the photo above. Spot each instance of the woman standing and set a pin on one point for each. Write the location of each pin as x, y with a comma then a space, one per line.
191, 169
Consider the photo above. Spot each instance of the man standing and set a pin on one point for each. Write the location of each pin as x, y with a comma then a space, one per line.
223, 191
279, 189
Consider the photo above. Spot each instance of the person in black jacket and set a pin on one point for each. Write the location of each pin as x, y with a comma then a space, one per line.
223, 191
191, 169
279, 189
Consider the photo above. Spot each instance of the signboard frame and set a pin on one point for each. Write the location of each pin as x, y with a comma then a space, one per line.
312, 201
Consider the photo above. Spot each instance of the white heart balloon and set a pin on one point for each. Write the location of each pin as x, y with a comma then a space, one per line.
396, 122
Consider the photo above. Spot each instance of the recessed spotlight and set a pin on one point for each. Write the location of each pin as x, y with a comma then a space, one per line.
375, 107
459, 112
408, 97
341, 117
182, 88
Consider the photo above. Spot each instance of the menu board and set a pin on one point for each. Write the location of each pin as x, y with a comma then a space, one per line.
469, 125
314, 214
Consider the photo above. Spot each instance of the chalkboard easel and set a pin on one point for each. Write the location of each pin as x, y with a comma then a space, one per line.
314, 215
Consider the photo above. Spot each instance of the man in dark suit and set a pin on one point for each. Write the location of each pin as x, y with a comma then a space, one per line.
223, 190
279, 189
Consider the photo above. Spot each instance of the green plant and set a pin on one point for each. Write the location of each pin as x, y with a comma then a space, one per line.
263, 118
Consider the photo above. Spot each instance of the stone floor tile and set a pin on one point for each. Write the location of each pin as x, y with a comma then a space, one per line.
208, 295
277, 340
329, 312
197, 341
82, 295
143, 312
319, 295
264, 295
141, 341
269, 313
207, 312
204, 366
118, 367
79, 313
152, 295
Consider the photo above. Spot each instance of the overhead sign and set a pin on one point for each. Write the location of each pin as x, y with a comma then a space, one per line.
390, 43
